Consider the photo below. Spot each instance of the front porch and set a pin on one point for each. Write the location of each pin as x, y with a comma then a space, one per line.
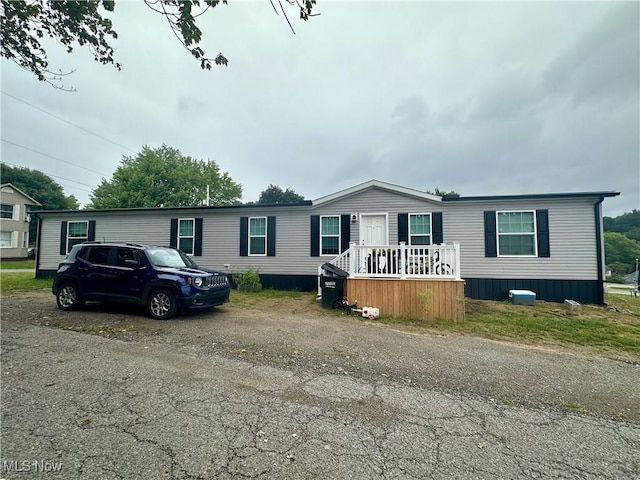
416, 281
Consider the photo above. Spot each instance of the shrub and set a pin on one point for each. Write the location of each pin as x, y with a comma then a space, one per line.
248, 280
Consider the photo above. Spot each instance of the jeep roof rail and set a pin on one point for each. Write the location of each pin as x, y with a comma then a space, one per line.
133, 244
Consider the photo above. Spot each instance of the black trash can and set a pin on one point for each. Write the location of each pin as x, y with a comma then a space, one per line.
332, 285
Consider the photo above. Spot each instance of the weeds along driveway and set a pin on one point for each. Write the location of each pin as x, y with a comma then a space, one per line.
298, 395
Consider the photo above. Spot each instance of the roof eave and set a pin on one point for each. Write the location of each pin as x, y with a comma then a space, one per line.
35, 202
304, 203
376, 184
535, 196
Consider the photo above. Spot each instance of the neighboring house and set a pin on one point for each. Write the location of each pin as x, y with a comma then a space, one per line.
14, 221
548, 243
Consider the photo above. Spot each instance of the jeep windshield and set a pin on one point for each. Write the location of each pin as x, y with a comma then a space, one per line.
168, 257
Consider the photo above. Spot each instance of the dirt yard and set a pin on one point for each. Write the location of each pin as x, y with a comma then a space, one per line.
298, 335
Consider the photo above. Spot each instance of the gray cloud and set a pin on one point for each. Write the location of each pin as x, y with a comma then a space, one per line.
480, 98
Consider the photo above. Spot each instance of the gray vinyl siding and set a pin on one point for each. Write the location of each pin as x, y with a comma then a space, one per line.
572, 234
572, 239
220, 237
378, 201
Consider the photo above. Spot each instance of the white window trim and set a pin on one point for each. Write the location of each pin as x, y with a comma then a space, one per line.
192, 237
14, 239
534, 233
430, 229
86, 237
332, 255
25, 239
249, 237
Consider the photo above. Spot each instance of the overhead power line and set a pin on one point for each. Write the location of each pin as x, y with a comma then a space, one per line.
67, 121
55, 176
54, 158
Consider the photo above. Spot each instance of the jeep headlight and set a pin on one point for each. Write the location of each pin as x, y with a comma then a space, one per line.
197, 281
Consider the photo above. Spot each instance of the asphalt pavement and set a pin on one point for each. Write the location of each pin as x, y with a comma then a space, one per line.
78, 406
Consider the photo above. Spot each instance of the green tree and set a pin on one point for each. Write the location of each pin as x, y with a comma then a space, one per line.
164, 177
442, 193
627, 224
23, 23
620, 252
275, 194
38, 186
72, 203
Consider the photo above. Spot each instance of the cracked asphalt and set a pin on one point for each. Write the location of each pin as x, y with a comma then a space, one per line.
285, 394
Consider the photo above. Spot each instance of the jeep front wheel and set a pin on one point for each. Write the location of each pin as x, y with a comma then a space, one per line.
162, 304
68, 297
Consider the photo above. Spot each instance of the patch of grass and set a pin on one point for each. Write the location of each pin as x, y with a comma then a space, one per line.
507, 401
17, 264
573, 405
22, 281
614, 327
266, 299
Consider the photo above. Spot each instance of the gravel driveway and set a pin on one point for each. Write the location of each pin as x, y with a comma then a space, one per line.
290, 391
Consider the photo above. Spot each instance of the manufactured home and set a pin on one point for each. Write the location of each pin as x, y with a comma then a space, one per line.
551, 244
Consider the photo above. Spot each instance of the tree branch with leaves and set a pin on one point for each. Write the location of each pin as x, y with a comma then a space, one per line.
24, 23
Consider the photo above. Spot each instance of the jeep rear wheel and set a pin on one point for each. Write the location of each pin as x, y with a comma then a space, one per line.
68, 297
162, 304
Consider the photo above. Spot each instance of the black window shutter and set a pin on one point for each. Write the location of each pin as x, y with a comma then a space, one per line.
173, 239
244, 236
403, 227
542, 225
91, 234
63, 238
436, 227
345, 231
197, 247
271, 236
315, 235
490, 245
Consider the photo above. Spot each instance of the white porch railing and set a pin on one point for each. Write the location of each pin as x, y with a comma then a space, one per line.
401, 261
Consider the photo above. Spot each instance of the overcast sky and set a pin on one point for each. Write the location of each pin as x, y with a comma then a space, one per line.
480, 98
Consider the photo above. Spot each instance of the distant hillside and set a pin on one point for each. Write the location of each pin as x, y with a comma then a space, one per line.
627, 224
622, 242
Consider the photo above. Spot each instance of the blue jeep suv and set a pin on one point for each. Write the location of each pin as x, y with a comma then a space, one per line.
163, 278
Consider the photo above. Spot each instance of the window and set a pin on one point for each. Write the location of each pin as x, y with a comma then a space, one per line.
99, 255
25, 239
516, 233
6, 211
258, 236
124, 256
77, 232
330, 235
419, 229
186, 234
6, 240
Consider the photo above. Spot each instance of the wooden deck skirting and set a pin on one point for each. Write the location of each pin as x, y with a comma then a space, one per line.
423, 299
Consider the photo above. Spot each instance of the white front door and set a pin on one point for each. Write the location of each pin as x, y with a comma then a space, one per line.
373, 229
